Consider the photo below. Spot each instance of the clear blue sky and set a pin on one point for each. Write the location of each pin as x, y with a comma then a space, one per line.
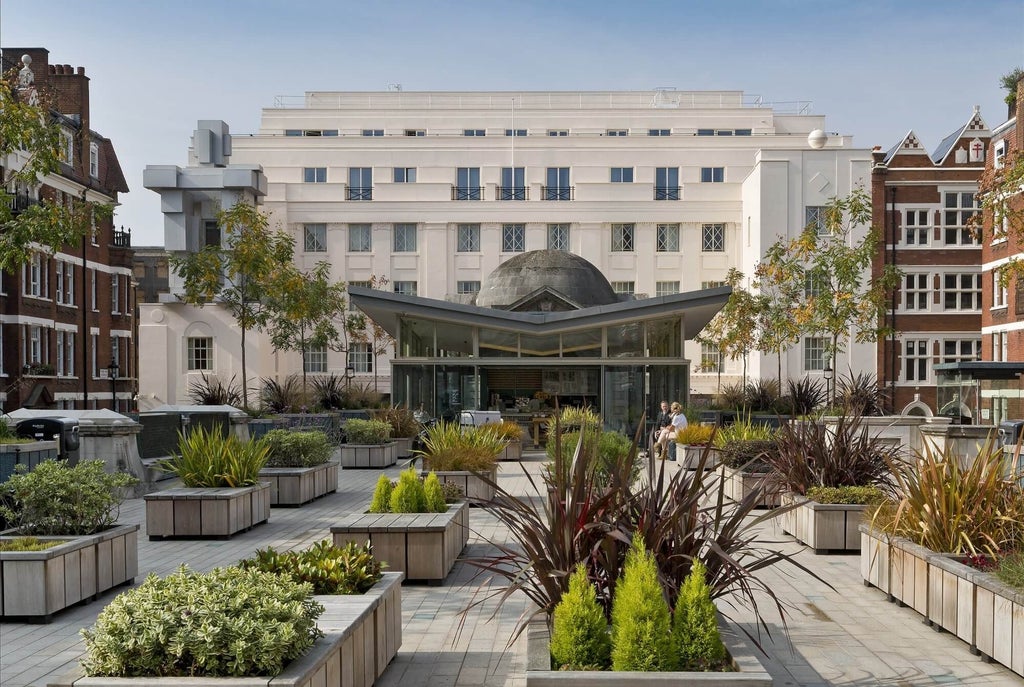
874, 69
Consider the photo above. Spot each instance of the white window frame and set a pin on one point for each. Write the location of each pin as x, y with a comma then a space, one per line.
404, 237
956, 216
712, 175
627, 288
314, 237
360, 358
621, 175
468, 238
814, 357
360, 238
711, 359
917, 228
404, 175
115, 294
314, 360
917, 292
915, 353
666, 288
558, 236
712, 238
965, 349
816, 215
199, 353
513, 238
314, 175
668, 238
95, 294
965, 288
405, 287
623, 237
94, 160
1000, 292
467, 287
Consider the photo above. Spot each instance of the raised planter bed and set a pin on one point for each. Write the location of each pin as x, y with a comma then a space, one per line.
688, 456
513, 451
896, 566
823, 527
206, 512
403, 447
362, 633
750, 672
296, 486
31, 454
470, 483
424, 546
37, 584
737, 484
369, 455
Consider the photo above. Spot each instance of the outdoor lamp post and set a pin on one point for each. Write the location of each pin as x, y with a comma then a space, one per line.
350, 370
828, 373
112, 368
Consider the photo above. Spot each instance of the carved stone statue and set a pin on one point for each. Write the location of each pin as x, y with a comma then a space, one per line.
27, 82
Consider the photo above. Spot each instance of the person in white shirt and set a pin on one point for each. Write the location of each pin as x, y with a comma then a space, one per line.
678, 419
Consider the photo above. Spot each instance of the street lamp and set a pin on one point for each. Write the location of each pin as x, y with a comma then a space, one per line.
350, 370
828, 373
112, 368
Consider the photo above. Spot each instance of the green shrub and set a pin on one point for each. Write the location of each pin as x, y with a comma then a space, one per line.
452, 492
367, 432
579, 632
698, 435
610, 448
55, 499
211, 459
288, 449
449, 447
402, 421
349, 569
848, 495
29, 544
381, 501
748, 454
1010, 569
695, 626
641, 622
408, 495
228, 622
434, 495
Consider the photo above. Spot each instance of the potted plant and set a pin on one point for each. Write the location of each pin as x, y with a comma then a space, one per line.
511, 435
77, 548
222, 493
832, 474
367, 444
609, 448
691, 442
742, 447
463, 455
268, 624
299, 467
413, 525
15, 450
404, 428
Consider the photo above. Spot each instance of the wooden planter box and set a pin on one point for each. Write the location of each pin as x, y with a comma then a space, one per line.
206, 512
368, 455
738, 484
471, 485
403, 447
823, 527
30, 454
424, 546
296, 486
362, 633
513, 451
688, 456
750, 672
37, 584
897, 566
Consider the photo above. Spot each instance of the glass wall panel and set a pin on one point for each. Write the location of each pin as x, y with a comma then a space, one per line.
623, 404
585, 344
413, 387
416, 338
495, 343
664, 338
539, 346
626, 341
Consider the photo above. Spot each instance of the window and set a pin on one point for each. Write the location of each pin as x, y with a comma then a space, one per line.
711, 284
624, 287
211, 233
961, 291
293, 132
515, 132
467, 184
712, 175
474, 132
668, 238
360, 238
958, 208
513, 183
814, 283
360, 183
311, 132
67, 361
915, 292
314, 175
558, 187
558, 237
659, 132
513, 238
95, 355
35, 277
622, 175
60, 353
405, 175
814, 353
95, 300
1000, 294
815, 216
35, 342
115, 294
314, 238
373, 132
916, 227
744, 132
314, 360
955, 350
467, 287
705, 132
94, 160
360, 357
713, 238
558, 132
115, 354
405, 288
622, 238
415, 132
60, 280
200, 353
666, 183
666, 288
710, 358
468, 238
404, 238
1000, 346
618, 132
999, 157
365, 284
67, 140
915, 360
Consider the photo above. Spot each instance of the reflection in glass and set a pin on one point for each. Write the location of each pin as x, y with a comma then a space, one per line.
584, 344
495, 343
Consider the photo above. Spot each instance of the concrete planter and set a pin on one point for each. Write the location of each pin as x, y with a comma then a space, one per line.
750, 672
37, 584
738, 484
206, 512
424, 546
369, 455
30, 454
823, 527
472, 486
362, 633
513, 451
296, 486
688, 456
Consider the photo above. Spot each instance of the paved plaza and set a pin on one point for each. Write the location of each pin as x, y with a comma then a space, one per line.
848, 635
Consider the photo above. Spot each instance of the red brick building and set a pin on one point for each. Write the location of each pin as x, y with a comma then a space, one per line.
923, 202
66, 318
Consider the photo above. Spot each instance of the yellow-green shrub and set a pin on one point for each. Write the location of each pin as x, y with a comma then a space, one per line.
381, 501
641, 622
694, 625
408, 495
579, 632
434, 494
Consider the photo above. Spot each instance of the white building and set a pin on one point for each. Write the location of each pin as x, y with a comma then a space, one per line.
663, 191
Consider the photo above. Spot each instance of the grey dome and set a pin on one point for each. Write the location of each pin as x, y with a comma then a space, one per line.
561, 272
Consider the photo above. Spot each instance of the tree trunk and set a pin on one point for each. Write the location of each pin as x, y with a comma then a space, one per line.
245, 381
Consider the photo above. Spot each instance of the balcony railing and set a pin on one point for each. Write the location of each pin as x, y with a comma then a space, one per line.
19, 202
666, 193
513, 193
557, 192
359, 193
122, 238
467, 193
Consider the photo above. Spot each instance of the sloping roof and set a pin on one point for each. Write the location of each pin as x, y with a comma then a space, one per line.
975, 126
908, 144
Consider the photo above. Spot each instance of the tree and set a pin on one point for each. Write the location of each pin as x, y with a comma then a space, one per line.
308, 311
31, 137
777, 329
732, 331
240, 272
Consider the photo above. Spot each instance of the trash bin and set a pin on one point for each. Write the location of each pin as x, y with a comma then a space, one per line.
1010, 431
63, 429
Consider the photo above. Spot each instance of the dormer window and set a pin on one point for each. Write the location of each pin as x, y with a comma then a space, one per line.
94, 160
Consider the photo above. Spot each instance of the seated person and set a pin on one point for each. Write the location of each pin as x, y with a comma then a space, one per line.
678, 421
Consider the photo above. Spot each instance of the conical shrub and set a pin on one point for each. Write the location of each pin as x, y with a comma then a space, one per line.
381, 501
579, 633
434, 494
408, 496
695, 626
641, 621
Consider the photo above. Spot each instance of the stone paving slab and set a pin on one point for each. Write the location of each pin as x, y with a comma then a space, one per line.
849, 635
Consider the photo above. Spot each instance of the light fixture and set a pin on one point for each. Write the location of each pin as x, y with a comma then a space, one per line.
828, 373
